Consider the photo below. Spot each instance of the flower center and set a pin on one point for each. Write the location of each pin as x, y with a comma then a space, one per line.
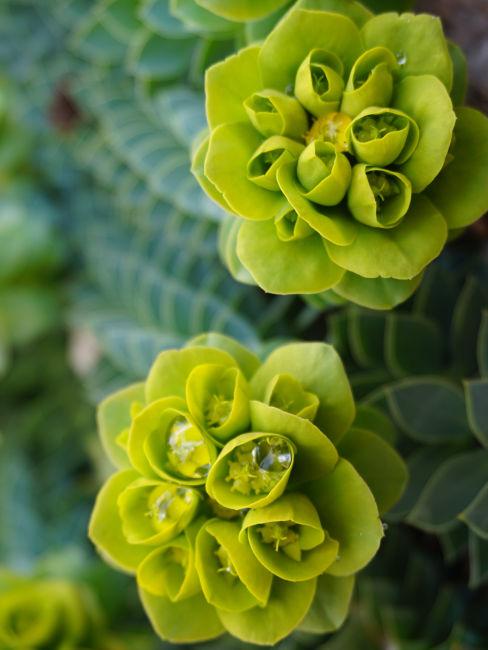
258, 466
282, 535
383, 187
330, 127
217, 411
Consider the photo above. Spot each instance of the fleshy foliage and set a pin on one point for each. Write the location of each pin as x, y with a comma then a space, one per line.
245, 501
427, 368
340, 146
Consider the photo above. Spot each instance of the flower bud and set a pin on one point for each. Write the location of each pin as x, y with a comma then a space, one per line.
381, 136
269, 157
286, 393
318, 83
153, 512
370, 82
324, 173
274, 113
378, 197
289, 226
218, 399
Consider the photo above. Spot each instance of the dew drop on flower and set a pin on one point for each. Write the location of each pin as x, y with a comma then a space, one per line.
187, 450
225, 563
169, 504
161, 505
401, 57
257, 466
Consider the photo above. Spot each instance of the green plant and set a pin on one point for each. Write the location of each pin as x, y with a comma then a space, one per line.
39, 613
427, 368
341, 152
408, 598
109, 93
243, 501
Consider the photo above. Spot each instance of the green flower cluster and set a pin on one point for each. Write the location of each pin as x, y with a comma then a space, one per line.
244, 500
48, 613
337, 142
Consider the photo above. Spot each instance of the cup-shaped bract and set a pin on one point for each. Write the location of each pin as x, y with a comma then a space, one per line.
46, 612
251, 470
382, 136
269, 157
231, 578
279, 517
165, 442
318, 83
275, 113
286, 393
324, 172
349, 89
218, 399
153, 512
378, 197
288, 539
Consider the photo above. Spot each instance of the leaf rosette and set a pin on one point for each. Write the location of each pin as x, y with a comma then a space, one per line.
337, 145
235, 505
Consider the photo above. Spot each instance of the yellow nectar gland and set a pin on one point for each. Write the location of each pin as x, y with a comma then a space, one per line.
330, 128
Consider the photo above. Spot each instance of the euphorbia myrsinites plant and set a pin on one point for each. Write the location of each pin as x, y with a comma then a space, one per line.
245, 501
340, 146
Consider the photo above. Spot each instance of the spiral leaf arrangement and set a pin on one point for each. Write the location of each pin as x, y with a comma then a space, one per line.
245, 502
337, 143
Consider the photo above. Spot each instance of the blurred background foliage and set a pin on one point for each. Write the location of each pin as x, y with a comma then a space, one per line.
109, 253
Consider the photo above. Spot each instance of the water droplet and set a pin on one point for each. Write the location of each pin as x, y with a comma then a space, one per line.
289, 89
225, 563
185, 494
161, 506
259, 465
385, 526
187, 451
401, 57
270, 456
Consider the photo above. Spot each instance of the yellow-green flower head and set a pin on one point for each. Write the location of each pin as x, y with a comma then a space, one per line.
337, 145
48, 613
244, 501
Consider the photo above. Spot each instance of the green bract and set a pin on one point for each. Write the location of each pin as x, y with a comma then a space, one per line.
47, 613
244, 500
337, 143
